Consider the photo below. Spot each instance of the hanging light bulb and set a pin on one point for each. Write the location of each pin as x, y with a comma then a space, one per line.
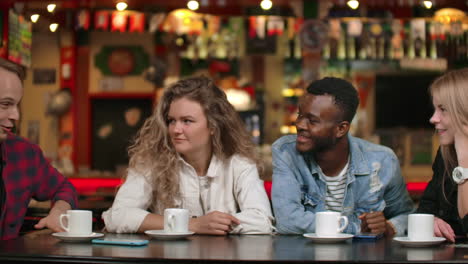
121, 6
34, 18
427, 4
51, 7
53, 27
193, 5
266, 4
353, 4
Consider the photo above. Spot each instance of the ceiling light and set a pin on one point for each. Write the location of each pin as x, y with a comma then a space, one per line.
121, 6
266, 4
427, 4
449, 15
53, 27
193, 5
34, 18
353, 4
51, 7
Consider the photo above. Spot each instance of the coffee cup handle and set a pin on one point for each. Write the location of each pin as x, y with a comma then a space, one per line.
345, 223
61, 222
171, 221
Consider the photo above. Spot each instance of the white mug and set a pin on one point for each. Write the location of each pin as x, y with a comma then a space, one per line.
420, 227
328, 223
176, 220
80, 222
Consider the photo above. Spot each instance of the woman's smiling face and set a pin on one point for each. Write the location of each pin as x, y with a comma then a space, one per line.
442, 121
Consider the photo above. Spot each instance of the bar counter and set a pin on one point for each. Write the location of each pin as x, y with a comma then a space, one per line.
42, 247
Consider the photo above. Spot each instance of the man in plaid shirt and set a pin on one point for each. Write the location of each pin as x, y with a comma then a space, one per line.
25, 173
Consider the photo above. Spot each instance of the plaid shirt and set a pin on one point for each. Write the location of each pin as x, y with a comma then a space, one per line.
27, 174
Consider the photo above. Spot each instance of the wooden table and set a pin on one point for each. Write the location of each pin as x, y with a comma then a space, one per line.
44, 248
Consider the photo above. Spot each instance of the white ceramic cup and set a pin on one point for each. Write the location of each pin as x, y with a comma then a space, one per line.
420, 227
176, 220
328, 223
80, 222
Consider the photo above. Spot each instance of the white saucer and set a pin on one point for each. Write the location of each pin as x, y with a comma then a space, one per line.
161, 234
328, 239
76, 238
419, 243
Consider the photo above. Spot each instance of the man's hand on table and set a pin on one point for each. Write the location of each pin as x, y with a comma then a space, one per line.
375, 222
51, 221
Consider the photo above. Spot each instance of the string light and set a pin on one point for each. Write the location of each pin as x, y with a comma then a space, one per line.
353, 4
34, 18
193, 5
427, 4
51, 7
53, 27
121, 6
266, 4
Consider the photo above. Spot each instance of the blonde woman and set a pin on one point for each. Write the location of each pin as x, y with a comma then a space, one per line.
446, 195
193, 153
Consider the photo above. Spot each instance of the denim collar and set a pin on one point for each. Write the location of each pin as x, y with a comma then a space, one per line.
357, 163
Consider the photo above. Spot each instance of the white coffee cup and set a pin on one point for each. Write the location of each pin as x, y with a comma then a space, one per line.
328, 223
176, 220
80, 222
420, 227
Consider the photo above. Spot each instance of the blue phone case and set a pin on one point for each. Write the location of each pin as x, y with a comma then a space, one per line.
120, 241
367, 236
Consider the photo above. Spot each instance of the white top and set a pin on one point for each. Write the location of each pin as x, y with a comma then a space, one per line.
232, 187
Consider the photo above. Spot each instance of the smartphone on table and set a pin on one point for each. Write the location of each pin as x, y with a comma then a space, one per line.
367, 236
120, 241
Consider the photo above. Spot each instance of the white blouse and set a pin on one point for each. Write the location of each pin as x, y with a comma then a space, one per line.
232, 187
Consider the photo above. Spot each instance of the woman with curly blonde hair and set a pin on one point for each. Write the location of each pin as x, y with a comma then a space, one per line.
194, 153
446, 196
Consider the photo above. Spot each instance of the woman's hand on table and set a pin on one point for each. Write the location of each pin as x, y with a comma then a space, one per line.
214, 223
442, 229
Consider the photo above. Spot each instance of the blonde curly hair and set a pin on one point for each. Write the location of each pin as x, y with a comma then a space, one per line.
153, 150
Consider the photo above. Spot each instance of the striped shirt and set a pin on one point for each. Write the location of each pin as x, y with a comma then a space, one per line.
336, 187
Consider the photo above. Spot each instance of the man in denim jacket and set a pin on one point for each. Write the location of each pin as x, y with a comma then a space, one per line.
323, 168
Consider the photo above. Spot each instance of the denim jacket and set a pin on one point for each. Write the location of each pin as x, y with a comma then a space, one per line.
374, 183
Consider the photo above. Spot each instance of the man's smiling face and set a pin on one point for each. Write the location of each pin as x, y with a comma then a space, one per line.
316, 123
11, 92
